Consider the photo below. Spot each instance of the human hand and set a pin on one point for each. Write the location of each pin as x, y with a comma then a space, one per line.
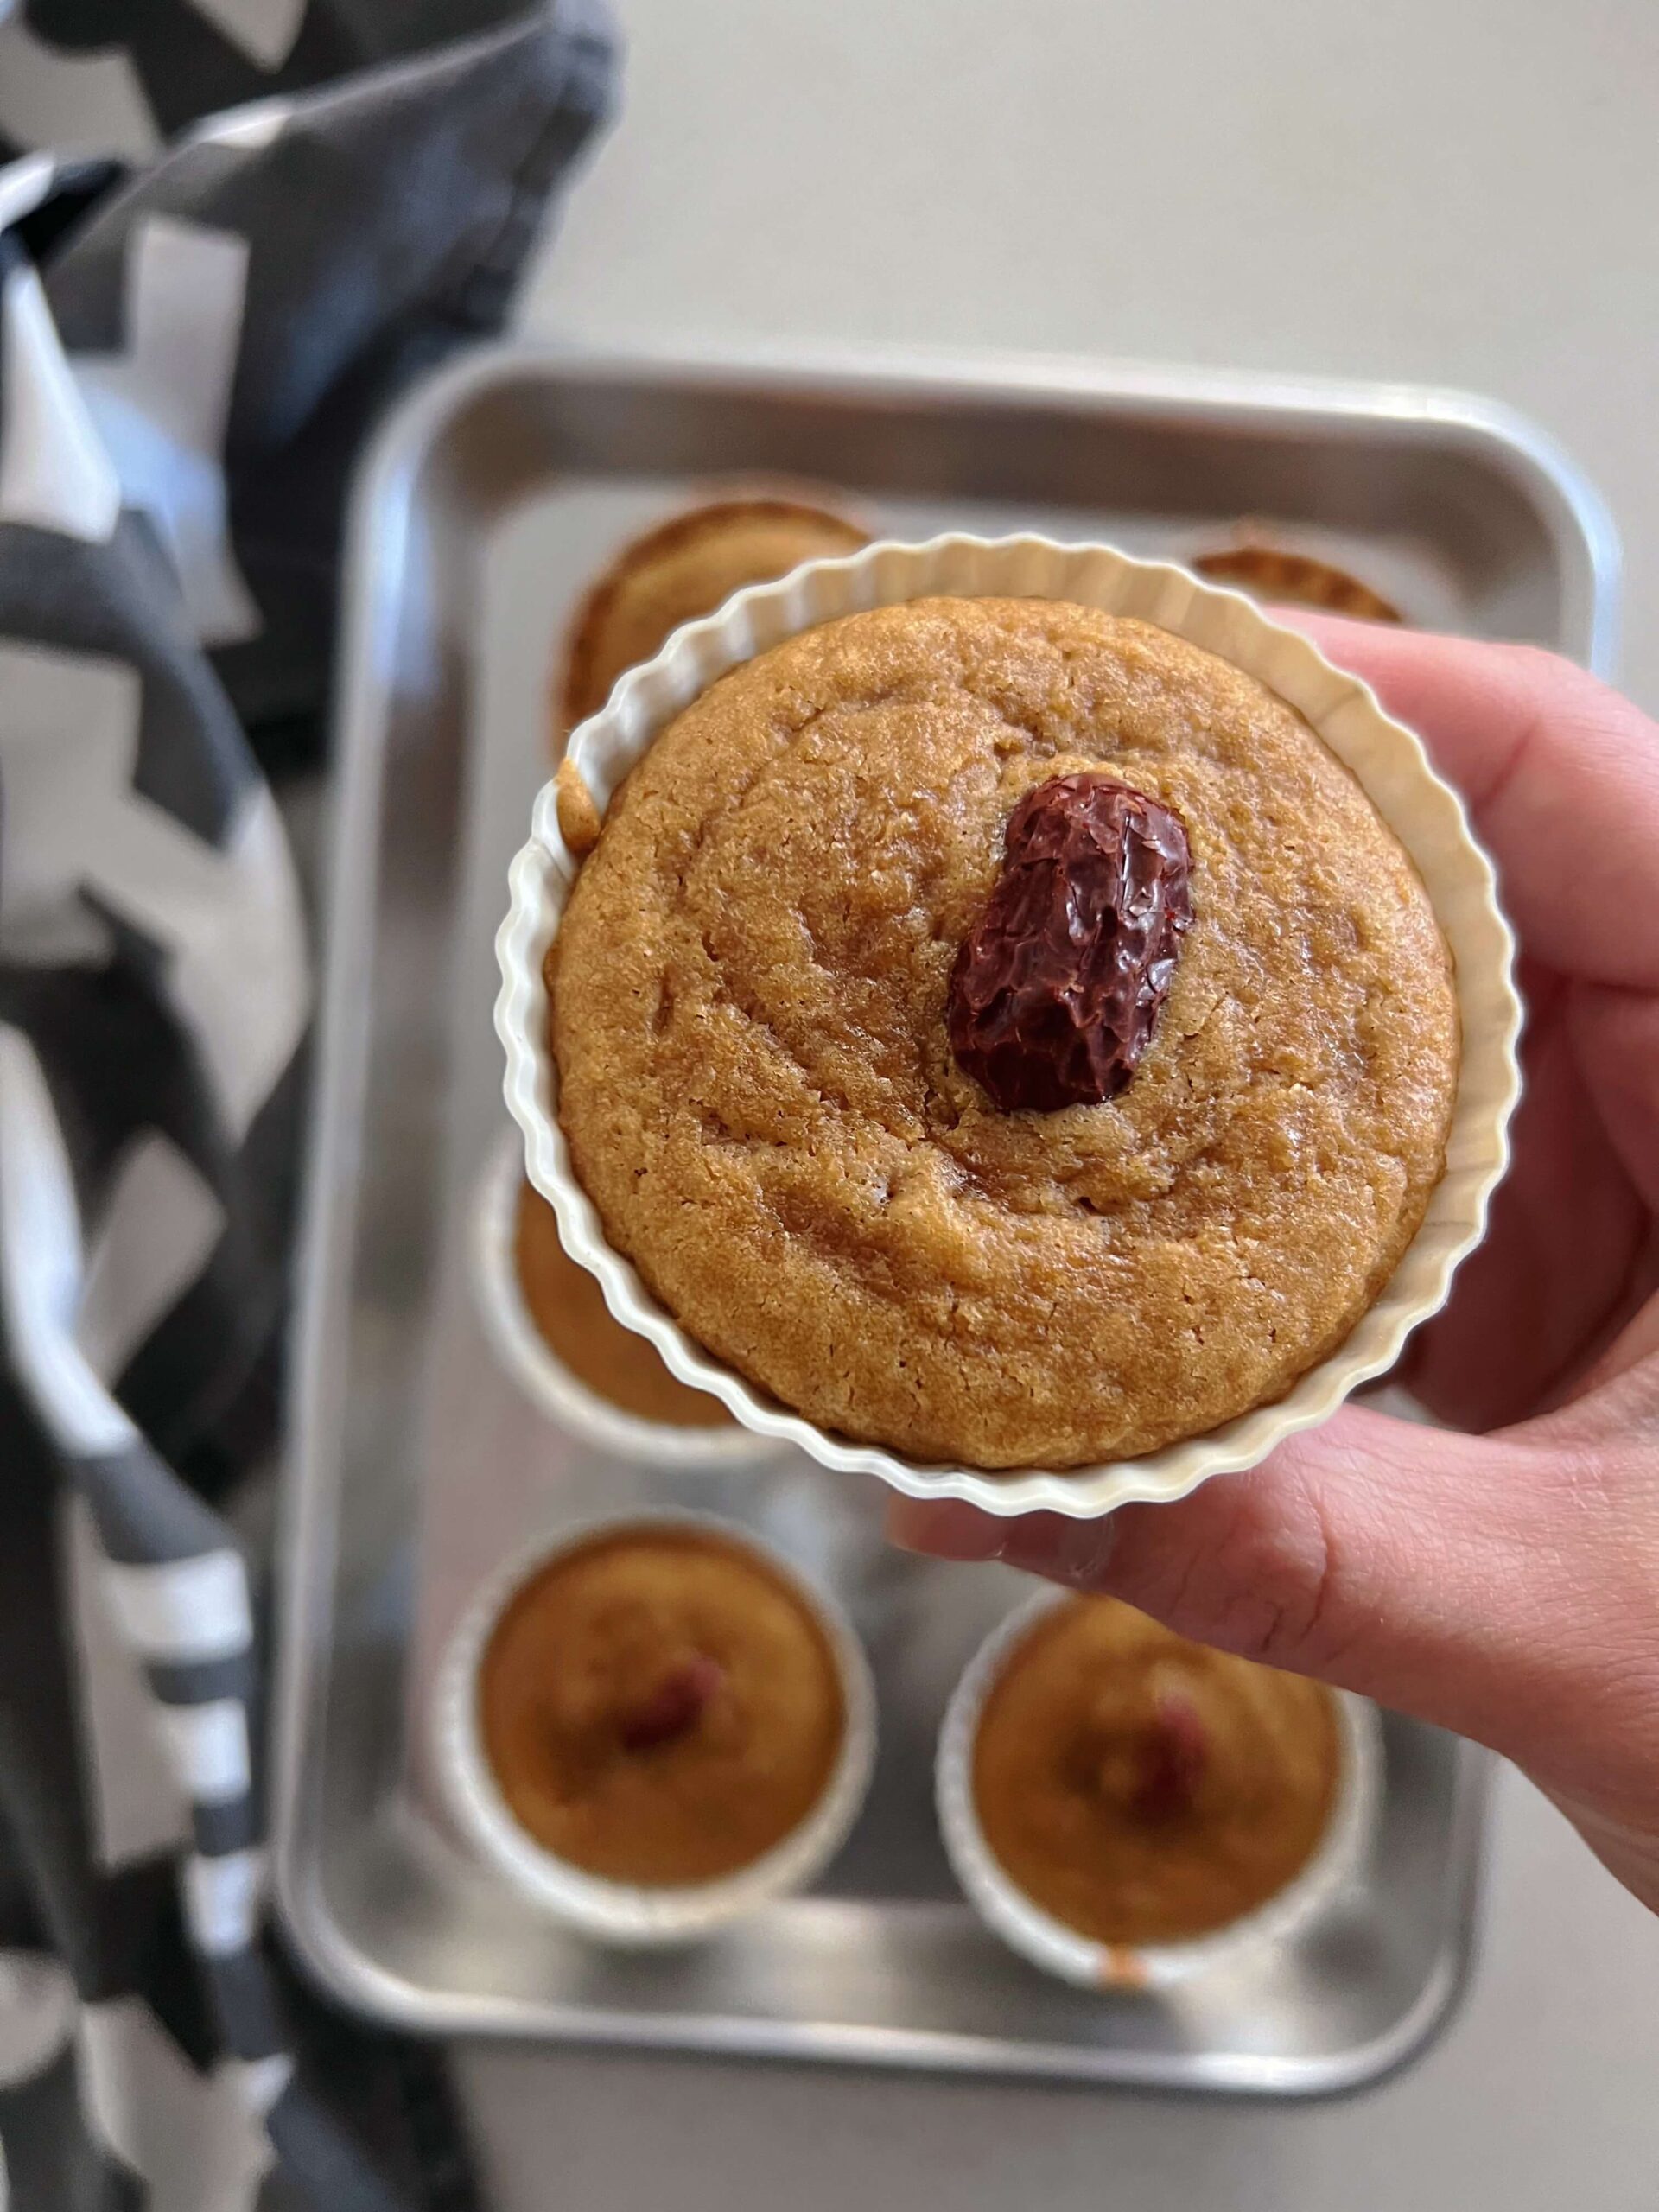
1504, 1584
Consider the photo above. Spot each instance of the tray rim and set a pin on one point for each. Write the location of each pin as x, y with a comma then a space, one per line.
356, 1979
1512, 441
1582, 525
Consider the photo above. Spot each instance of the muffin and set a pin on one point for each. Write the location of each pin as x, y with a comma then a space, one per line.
605, 1386
684, 567
1268, 572
659, 1706
1003, 1032
568, 1311
1141, 1790
653, 1726
1127, 1810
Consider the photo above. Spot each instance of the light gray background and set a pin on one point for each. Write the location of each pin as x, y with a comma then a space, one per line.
1449, 191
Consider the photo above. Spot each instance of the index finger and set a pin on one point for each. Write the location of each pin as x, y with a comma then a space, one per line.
1560, 775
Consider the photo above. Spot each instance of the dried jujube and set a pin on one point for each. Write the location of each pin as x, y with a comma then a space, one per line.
1058, 988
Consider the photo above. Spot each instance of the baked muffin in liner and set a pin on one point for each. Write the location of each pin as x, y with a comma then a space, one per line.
1388, 762
1337, 1860
549, 1381
684, 566
641, 1916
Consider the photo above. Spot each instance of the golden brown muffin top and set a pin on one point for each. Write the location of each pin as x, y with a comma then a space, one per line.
568, 1309
684, 567
749, 1022
658, 1707
1141, 1788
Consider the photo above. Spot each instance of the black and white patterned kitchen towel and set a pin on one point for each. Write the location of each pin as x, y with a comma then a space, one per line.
194, 332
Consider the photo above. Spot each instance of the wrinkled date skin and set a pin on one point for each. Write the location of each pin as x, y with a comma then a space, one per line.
1056, 990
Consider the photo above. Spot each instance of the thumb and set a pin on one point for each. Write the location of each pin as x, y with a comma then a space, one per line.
1481, 1583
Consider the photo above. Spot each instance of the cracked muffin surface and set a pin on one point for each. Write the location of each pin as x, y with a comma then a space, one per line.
748, 1016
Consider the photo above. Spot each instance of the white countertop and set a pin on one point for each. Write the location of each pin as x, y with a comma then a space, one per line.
1455, 194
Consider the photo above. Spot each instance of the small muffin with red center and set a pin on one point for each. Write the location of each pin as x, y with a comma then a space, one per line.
660, 1706
655, 1725
1127, 1808
1144, 1789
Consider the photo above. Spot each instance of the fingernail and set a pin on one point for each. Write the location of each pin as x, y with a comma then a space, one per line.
945, 1528
1075, 1553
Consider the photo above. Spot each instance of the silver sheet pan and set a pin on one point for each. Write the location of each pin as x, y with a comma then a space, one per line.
418, 1464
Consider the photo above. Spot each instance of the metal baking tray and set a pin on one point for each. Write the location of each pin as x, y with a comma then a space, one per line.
418, 1464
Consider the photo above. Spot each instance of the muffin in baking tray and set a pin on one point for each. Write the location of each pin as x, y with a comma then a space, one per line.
1143, 1789
606, 1387
660, 1706
683, 567
568, 1309
1275, 574
1128, 1809
1003, 1032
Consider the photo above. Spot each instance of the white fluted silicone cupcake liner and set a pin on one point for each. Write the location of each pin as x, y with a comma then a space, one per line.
626, 1915
543, 1376
1337, 1860
1388, 762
